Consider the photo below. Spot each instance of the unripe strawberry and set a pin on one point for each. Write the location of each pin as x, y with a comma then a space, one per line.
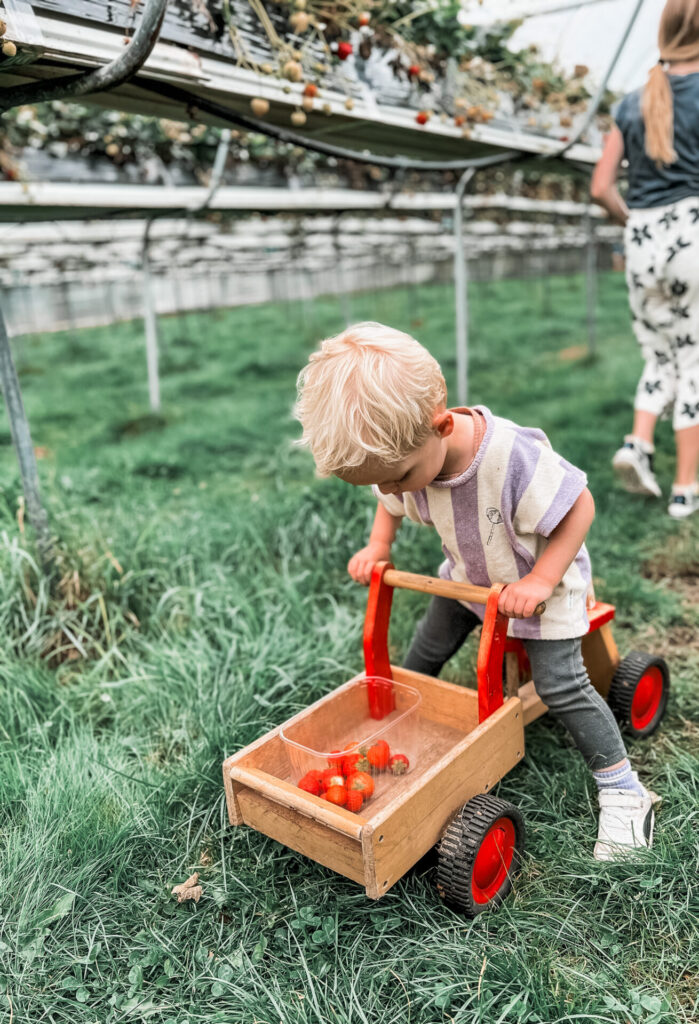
292, 71
259, 106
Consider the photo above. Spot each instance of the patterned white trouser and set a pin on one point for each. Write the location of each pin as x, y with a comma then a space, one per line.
662, 272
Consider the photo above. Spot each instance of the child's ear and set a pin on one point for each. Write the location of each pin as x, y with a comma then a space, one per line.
443, 423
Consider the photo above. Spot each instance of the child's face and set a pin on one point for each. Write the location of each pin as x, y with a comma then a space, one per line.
415, 471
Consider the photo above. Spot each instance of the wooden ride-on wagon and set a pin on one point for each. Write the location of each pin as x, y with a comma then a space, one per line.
470, 739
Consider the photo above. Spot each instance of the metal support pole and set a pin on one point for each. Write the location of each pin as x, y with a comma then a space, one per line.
591, 281
151, 324
461, 290
346, 311
22, 440
110, 76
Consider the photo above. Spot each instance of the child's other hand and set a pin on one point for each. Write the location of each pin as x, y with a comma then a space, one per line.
518, 600
360, 565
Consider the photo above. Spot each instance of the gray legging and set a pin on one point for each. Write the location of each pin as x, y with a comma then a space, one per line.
560, 678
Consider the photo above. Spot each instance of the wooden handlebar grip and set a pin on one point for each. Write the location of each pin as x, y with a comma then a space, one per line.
443, 588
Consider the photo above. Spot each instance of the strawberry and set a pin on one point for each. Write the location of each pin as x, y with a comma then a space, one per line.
337, 795
355, 799
399, 764
311, 783
344, 50
378, 755
362, 782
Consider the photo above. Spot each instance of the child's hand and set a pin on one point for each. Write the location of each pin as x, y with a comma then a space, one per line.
360, 565
518, 600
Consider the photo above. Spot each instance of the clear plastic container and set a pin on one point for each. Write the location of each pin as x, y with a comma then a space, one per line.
340, 737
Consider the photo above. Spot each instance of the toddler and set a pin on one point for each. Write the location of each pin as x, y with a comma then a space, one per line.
508, 509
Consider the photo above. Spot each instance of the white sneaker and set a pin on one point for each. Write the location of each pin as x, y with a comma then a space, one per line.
633, 465
626, 823
683, 501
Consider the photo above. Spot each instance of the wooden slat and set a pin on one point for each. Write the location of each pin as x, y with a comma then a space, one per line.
288, 795
332, 849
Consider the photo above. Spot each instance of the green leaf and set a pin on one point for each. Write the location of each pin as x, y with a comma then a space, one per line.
217, 989
225, 972
259, 950
652, 1003
136, 976
60, 908
82, 995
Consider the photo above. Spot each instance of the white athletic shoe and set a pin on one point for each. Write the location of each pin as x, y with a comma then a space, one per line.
626, 823
633, 465
684, 501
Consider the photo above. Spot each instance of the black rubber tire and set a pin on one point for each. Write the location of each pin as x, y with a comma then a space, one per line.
459, 847
623, 687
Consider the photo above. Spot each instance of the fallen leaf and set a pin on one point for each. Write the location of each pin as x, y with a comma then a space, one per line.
188, 890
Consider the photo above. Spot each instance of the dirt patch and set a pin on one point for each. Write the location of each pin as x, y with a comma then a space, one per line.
676, 563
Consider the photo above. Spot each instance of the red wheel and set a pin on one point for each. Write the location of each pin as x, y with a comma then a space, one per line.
493, 860
479, 853
639, 691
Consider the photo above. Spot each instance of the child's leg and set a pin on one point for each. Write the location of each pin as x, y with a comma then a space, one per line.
626, 807
439, 634
687, 454
562, 682
682, 274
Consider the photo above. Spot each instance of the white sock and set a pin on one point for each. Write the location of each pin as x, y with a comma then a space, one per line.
621, 777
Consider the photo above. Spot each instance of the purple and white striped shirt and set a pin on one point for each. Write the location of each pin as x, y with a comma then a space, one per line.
495, 517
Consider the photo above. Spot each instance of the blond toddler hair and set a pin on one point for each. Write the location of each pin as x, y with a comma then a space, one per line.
367, 395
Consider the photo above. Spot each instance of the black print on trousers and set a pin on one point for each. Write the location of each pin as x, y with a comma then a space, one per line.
667, 218
661, 358
638, 234
694, 210
684, 342
678, 288
681, 311
674, 249
652, 385
690, 410
636, 280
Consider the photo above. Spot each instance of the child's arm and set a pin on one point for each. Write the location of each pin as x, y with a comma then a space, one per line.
382, 535
518, 600
603, 189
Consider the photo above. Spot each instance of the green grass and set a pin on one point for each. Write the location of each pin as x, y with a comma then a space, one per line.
204, 599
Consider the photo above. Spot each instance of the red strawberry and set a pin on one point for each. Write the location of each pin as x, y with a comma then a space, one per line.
399, 764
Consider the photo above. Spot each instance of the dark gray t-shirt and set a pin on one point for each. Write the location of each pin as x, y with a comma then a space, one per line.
650, 185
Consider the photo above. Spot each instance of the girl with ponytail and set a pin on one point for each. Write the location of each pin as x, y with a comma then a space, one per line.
657, 133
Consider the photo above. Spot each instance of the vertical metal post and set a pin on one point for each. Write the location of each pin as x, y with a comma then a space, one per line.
151, 324
591, 281
461, 290
21, 437
345, 305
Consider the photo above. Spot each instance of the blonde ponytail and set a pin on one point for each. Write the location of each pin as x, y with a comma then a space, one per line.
678, 40
658, 117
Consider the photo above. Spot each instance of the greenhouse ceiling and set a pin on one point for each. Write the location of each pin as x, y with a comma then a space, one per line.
362, 105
